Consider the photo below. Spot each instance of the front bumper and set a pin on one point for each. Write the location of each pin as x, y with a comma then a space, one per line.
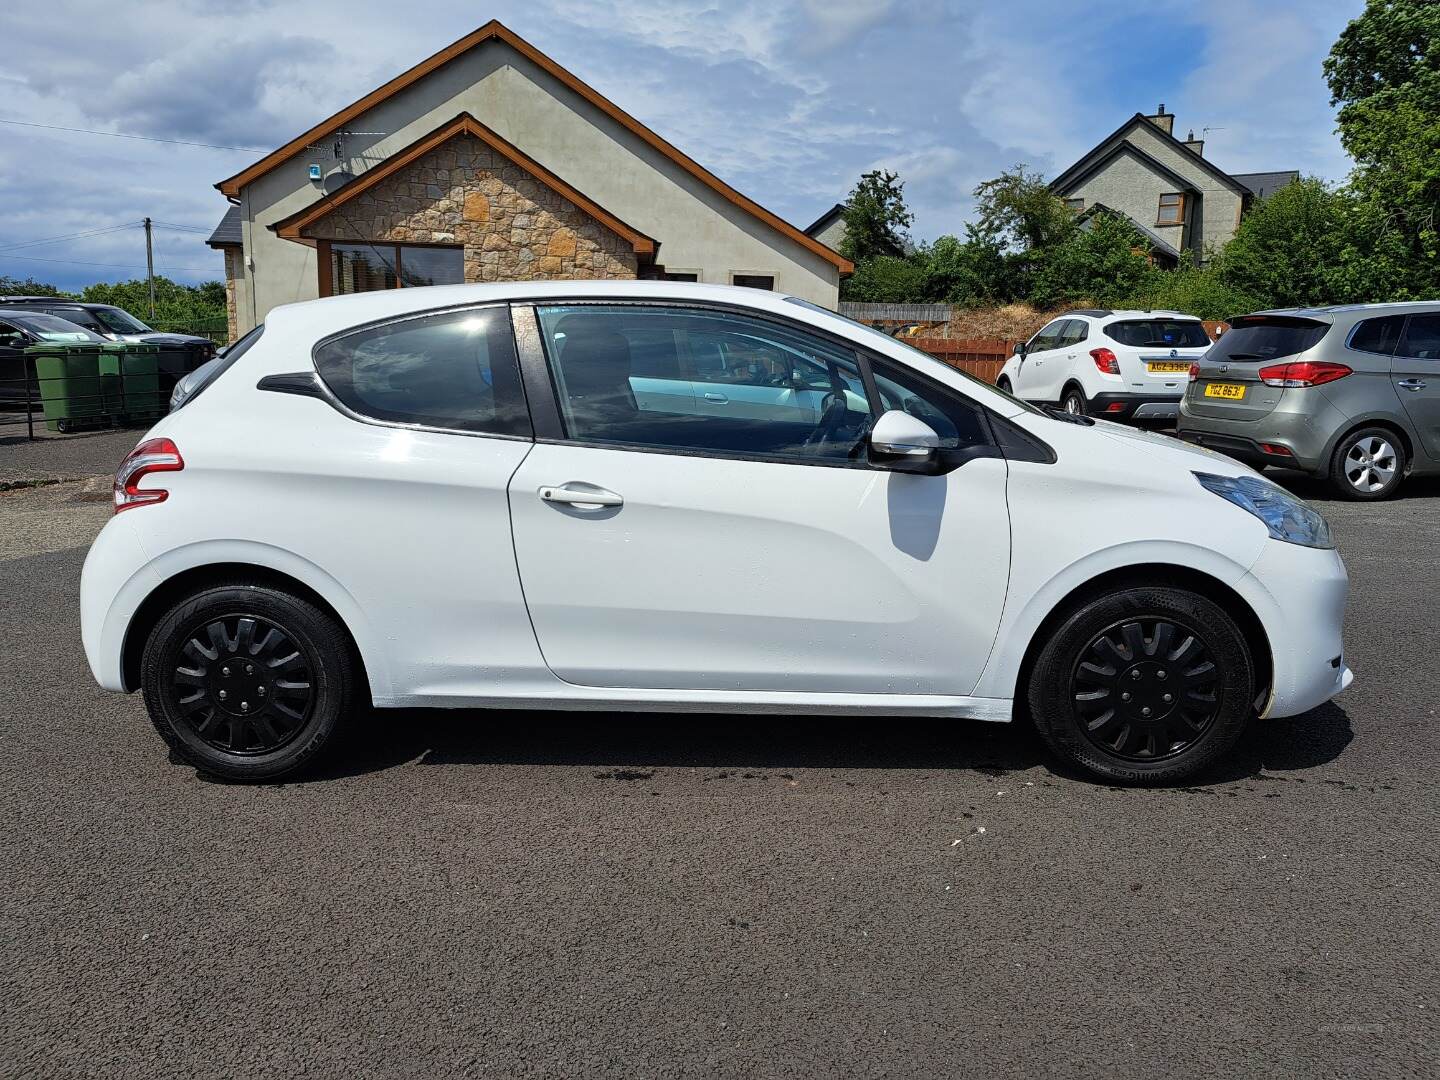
1299, 595
1135, 406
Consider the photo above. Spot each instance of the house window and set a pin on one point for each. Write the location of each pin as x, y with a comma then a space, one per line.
367, 267
754, 281
1075, 204
681, 275
1172, 209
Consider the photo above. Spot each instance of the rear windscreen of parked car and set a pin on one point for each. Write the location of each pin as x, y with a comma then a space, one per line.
1265, 337
1160, 334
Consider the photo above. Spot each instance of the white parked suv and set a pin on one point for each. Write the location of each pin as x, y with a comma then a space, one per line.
1117, 364
653, 496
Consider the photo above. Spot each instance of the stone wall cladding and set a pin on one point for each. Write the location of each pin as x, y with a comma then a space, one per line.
232, 275
512, 226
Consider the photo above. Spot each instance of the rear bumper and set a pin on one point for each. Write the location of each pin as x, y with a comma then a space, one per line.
1136, 406
1305, 434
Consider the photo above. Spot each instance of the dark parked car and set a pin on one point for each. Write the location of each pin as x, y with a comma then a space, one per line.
21, 329
110, 322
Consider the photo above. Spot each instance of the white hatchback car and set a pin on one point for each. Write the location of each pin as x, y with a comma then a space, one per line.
1122, 365
670, 497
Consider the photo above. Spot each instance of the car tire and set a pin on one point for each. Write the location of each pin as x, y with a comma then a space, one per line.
1074, 402
247, 682
1368, 465
1097, 690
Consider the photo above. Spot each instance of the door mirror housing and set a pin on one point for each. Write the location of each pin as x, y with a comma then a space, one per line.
904, 443
1019, 349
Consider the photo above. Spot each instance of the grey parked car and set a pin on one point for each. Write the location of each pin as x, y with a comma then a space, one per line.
1348, 393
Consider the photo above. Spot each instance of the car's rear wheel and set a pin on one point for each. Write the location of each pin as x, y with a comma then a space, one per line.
1074, 402
247, 682
1145, 685
1368, 465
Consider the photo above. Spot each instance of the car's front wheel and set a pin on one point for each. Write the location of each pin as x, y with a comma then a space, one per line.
247, 682
1143, 685
1074, 401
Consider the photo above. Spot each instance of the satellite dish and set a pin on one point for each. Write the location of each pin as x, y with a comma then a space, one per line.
336, 180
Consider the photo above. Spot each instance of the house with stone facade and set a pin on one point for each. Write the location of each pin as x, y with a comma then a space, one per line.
1179, 199
490, 162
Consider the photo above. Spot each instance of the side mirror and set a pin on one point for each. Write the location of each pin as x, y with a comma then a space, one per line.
1019, 349
904, 442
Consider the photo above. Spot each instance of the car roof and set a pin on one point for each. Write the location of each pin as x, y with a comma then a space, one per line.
1394, 307
1107, 313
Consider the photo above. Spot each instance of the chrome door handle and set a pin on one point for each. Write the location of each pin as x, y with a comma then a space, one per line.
1411, 384
582, 497
719, 399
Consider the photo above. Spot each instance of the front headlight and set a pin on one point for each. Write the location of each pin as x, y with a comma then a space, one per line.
1285, 517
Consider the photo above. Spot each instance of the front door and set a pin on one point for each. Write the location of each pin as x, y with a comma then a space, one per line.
689, 550
1415, 371
1036, 372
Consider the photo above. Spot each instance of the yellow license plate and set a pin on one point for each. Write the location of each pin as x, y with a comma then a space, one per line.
1229, 390
1167, 367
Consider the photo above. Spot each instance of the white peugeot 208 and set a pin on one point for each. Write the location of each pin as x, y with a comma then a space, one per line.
679, 498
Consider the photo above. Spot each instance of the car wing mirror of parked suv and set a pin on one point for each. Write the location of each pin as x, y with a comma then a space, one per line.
1019, 349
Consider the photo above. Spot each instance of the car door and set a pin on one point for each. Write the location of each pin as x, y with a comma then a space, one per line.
1064, 357
1415, 371
702, 552
745, 377
1033, 376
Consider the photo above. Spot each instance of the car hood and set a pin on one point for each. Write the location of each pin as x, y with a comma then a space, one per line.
166, 339
1152, 443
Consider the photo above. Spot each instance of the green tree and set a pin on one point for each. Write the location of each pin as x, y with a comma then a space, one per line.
10, 286
1384, 74
1017, 211
886, 279
876, 217
177, 306
1103, 263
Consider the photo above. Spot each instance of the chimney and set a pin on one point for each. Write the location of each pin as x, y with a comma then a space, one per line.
1163, 120
1192, 143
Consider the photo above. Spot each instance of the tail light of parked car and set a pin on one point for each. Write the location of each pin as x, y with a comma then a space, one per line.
1105, 361
151, 456
1302, 373
1194, 369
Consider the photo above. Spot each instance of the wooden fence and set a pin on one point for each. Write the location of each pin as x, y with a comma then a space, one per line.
901, 313
981, 357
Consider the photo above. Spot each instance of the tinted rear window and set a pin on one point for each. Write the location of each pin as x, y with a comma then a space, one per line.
1160, 333
1260, 338
1378, 335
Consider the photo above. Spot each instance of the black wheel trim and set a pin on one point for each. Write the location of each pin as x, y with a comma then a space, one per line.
241, 683
1120, 681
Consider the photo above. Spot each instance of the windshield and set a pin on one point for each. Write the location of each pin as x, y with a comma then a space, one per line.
121, 322
922, 359
50, 328
1160, 333
1264, 337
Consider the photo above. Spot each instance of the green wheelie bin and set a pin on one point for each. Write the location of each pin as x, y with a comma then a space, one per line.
68, 379
129, 373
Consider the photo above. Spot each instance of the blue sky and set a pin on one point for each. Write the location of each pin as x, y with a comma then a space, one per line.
788, 100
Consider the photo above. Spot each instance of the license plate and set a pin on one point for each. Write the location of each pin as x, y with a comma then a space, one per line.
1228, 390
1167, 367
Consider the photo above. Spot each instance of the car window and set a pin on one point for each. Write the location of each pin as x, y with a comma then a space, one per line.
1378, 335
1160, 333
455, 370
1254, 338
959, 423
1049, 337
120, 321
762, 389
1074, 333
1422, 338
80, 317
53, 328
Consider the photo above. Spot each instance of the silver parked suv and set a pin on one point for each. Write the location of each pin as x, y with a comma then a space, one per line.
1349, 393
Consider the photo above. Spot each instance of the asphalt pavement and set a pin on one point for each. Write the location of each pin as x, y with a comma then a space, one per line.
536, 894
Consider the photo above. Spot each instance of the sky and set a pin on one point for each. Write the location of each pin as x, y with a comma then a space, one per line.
787, 100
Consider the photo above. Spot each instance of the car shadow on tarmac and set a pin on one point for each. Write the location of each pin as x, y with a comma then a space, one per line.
383, 739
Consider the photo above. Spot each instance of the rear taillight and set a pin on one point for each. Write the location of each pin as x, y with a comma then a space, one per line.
1302, 373
151, 456
1105, 361
1194, 369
